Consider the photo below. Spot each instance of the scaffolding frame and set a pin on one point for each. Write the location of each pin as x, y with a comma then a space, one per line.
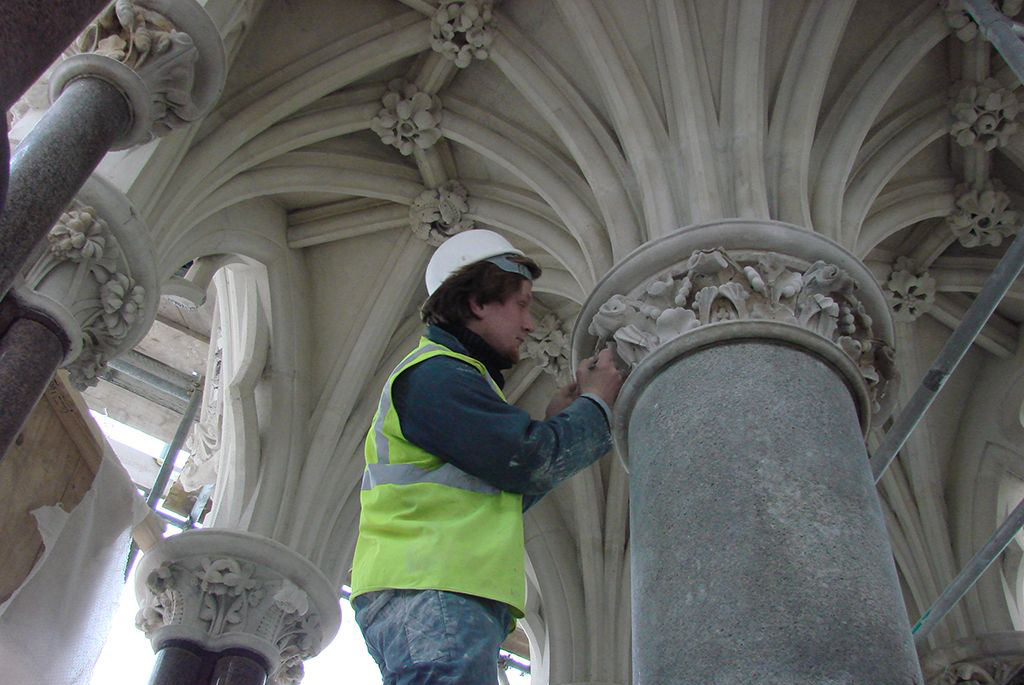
1005, 36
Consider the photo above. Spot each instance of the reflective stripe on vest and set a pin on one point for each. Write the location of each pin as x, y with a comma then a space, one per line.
381, 442
409, 474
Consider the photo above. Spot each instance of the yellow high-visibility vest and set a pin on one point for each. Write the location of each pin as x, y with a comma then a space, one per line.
426, 524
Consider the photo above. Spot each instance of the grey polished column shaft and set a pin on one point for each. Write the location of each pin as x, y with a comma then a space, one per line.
53, 162
239, 667
32, 34
179, 662
759, 552
30, 353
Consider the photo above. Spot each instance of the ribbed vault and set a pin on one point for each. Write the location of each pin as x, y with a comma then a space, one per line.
589, 129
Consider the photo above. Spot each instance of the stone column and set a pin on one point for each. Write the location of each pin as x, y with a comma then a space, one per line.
89, 296
258, 606
759, 354
992, 659
118, 92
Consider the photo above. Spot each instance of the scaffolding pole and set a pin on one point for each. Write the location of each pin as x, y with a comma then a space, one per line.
970, 574
169, 458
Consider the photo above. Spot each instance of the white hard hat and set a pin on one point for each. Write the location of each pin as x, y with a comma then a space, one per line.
469, 247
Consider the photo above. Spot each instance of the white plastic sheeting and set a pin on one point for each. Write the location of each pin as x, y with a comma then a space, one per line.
54, 626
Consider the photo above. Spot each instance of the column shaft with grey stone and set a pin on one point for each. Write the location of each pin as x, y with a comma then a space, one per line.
759, 355
141, 70
32, 35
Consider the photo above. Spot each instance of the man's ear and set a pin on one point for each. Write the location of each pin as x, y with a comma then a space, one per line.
475, 308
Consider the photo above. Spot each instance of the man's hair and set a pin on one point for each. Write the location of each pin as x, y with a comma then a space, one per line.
481, 281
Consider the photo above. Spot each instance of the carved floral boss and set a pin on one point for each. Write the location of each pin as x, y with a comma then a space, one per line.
715, 286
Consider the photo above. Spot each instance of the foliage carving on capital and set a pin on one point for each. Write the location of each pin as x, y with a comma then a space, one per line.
984, 114
983, 216
463, 30
961, 23
548, 346
84, 271
980, 672
713, 287
151, 45
409, 118
222, 595
909, 290
439, 213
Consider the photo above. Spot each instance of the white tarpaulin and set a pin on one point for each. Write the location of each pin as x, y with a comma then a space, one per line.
53, 627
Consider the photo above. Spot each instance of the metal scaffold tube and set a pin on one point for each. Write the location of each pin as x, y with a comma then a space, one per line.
970, 574
169, 458
1004, 36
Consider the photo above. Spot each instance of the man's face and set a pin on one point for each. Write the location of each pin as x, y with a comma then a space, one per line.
505, 325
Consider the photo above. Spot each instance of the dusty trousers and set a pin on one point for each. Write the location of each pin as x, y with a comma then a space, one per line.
430, 637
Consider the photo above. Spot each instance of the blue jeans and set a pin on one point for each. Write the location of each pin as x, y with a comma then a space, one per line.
430, 637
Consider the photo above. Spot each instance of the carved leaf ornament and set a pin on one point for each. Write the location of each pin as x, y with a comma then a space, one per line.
462, 30
985, 672
437, 214
714, 287
983, 216
985, 114
149, 43
95, 285
409, 118
910, 292
548, 346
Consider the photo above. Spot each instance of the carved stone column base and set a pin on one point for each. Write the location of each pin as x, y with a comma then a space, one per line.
235, 593
993, 659
759, 353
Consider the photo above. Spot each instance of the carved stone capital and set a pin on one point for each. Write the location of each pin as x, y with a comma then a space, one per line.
462, 30
983, 216
910, 291
438, 214
226, 589
165, 56
742, 279
985, 114
409, 118
97, 279
994, 659
548, 345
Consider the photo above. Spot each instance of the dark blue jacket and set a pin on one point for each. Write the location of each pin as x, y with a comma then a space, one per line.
447, 408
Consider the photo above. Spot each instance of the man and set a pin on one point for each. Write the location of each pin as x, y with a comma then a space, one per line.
438, 574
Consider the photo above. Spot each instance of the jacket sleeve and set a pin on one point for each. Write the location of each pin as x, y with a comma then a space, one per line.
447, 408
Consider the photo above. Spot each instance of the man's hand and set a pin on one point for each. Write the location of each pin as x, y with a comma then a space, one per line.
599, 376
562, 398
